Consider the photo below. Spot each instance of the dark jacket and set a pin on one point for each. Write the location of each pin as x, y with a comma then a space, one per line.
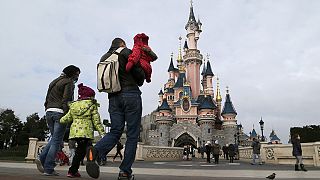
216, 149
60, 93
296, 147
256, 147
208, 148
130, 80
232, 150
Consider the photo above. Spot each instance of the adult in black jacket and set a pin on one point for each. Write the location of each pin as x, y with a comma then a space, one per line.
208, 150
297, 152
59, 93
124, 107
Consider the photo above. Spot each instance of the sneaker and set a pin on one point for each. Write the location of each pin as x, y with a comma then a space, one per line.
39, 165
54, 173
92, 167
125, 176
70, 175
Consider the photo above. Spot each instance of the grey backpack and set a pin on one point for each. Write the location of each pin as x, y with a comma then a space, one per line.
107, 73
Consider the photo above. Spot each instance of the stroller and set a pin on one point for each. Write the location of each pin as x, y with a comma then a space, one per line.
62, 159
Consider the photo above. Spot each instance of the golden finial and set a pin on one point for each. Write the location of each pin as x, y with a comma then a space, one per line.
179, 54
227, 89
208, 56
218, 96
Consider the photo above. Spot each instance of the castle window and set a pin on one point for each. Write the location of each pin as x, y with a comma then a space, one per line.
160, 134
208, 130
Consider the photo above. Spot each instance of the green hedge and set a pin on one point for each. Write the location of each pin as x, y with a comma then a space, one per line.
15, 153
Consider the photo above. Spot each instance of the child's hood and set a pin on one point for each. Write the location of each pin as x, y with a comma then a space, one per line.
82, 106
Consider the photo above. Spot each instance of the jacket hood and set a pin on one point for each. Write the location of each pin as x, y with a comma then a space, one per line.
144, 39
80, 107
138, 39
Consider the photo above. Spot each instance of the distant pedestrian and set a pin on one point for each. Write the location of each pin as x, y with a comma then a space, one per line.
59, 94
84, 118
225, 152
231, 152
216, 149
202, 150
256, 146
208, 150
185, 153
297, 152
119, 148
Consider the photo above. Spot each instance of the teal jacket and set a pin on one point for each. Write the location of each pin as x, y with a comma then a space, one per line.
85, 119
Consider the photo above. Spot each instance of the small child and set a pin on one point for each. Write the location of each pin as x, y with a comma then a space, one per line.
85, 118
142, 53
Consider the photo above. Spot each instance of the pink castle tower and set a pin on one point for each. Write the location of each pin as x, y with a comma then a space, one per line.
193, 58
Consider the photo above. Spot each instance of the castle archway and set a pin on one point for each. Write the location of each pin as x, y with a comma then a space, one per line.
184, 140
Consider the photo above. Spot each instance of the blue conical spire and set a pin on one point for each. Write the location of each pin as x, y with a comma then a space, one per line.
171, 67
207, 103
180, 80
161, 92
192, 18
208, 69
228, 106
164, 106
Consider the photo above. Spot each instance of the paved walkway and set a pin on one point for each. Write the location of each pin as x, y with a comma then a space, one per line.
183, 170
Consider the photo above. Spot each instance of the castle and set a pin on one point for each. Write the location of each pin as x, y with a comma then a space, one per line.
190, 111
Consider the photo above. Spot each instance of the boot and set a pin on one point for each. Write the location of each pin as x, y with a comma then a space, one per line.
302, 167
296, 167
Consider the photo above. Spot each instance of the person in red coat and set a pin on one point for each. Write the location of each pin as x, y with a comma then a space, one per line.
142, 53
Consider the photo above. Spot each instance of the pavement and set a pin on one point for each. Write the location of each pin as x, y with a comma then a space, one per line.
180, 170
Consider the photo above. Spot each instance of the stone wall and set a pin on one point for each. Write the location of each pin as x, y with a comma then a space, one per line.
282, 153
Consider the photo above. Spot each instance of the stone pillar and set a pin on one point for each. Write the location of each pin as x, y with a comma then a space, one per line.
263, 151
31, 156
139, 156
316, 146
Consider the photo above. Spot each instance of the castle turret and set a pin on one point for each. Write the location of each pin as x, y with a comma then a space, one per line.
209, 76
164, 121
206, 118
229, 119
204, 79
160, 96
171, 69
193, 30
193, 58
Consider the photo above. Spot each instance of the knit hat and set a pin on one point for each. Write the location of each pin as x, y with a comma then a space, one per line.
85, 92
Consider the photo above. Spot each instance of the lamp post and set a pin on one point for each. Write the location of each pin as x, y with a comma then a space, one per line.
261, 127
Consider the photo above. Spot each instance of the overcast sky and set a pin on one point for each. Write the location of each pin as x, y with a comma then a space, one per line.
266, 51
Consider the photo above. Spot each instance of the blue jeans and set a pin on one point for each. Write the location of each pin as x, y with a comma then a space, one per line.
123, 107
57, 130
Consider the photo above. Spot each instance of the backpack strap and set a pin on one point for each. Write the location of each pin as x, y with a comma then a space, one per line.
117, 52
